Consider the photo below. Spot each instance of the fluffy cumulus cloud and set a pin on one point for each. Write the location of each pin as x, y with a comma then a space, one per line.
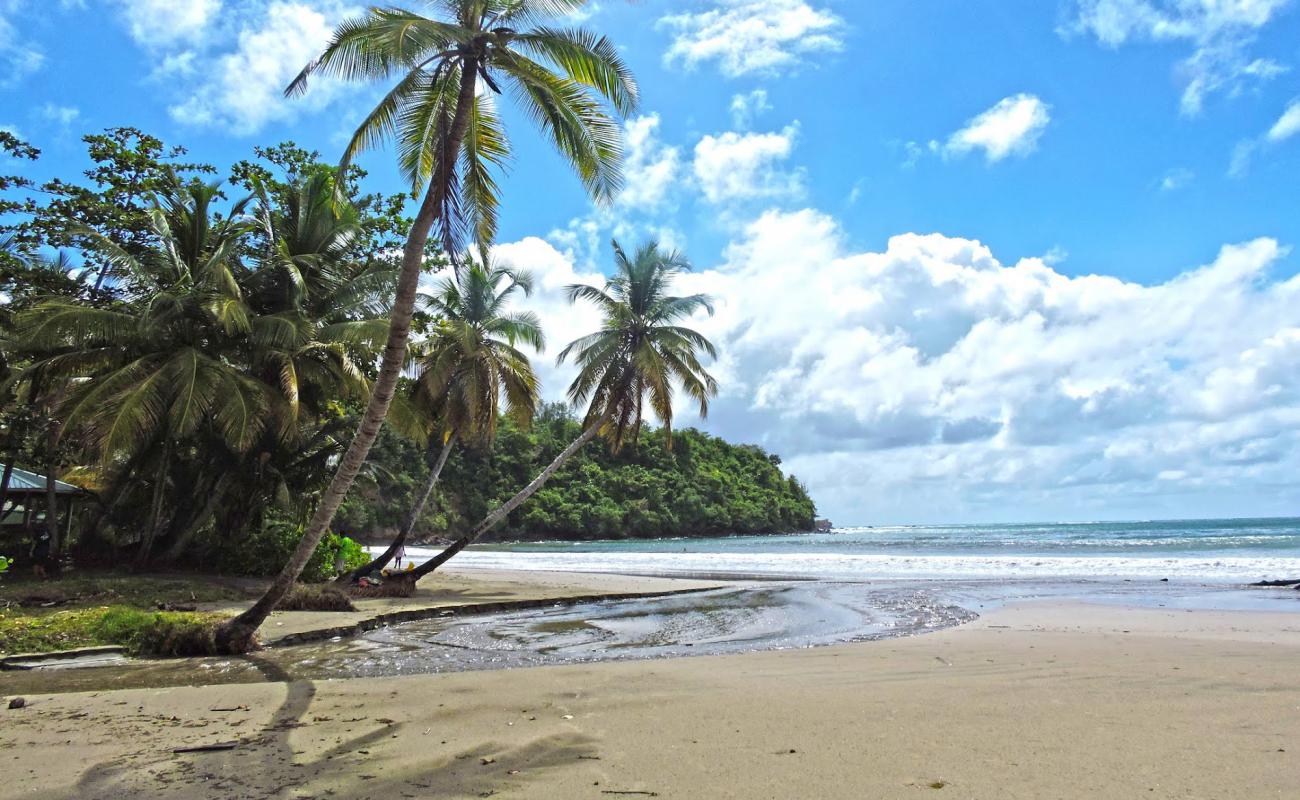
652, 169
1221, 32
752, 36
228, 61
19, 57
1011, 127
931, 377
243, 87
164, 22
747, 166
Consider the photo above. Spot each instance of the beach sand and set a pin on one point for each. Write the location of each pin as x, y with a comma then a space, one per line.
1046, 700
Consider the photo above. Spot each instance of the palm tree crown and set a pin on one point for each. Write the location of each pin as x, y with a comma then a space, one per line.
471, 362
640, 350
447, 130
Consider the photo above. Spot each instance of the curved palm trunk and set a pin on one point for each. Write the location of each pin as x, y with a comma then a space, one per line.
408, 524
502, 511
238, 635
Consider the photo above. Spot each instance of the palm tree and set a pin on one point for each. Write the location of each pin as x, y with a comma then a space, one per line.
450, 140
147, 372
199, 363
467, 369
635, 358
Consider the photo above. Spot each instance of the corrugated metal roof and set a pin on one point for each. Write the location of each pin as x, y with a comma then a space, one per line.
25, 481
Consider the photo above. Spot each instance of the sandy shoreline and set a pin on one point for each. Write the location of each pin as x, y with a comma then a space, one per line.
1058, 699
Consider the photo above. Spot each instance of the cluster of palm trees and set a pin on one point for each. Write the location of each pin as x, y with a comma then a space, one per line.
217, 372
252, 356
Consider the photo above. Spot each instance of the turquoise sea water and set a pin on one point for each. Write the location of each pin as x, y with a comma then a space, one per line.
1215, 550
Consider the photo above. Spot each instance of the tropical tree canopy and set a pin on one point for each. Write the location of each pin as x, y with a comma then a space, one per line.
470, 367
639, 352
230, 343
641, 349
441, 111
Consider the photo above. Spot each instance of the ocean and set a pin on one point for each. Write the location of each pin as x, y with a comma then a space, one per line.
1200, 551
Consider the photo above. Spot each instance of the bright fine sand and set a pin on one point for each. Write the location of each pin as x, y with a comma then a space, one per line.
1060, 700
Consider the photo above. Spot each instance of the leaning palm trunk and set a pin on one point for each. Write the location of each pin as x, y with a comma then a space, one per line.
501, 512
238, 635
408, 524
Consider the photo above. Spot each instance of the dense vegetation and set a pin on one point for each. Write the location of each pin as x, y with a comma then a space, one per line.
215, 358
703, 486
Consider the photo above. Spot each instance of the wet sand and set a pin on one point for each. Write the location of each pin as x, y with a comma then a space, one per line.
1040, 700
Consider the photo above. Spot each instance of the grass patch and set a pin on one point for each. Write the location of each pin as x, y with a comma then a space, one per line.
143, 633
107, 589
314, 597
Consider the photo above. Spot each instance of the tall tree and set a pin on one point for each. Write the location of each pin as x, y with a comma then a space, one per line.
635, 358
468, 369
450, 140
211, 371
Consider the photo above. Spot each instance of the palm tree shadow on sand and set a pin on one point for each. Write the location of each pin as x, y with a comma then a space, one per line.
266, 764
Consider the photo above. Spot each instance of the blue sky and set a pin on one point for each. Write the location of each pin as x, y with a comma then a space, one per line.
970, 255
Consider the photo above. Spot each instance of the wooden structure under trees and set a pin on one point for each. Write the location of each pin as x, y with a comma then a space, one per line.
27, 507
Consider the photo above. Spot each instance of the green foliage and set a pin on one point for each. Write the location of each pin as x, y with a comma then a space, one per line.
566, 81
703, 486
152, 633
5, 563
159, 633
642, 348
221, 349
264, 552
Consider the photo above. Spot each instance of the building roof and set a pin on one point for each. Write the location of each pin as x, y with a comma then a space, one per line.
24, 482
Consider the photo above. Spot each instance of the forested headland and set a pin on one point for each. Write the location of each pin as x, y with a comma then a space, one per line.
703, 486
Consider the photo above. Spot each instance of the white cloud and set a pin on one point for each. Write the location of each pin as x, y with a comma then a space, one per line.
1011, 127
157, 23
1176, 178
1242, 154
752, 36
745, 108
242, 89
747, 166
652, 169
18, 57
1221, 32
1287, 125
931, 378
63, 115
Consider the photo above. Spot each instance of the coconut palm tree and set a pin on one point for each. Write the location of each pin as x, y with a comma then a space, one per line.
635, 359
199, 363
468, 369
442, 116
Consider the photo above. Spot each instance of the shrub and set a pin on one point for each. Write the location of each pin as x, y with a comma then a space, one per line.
160, 633
148, 633
5, 564
315, 598
264, 552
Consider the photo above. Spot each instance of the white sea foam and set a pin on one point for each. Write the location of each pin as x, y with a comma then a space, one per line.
858, 566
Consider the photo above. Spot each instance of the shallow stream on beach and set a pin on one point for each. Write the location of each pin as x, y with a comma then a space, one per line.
750, 616
730, 620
